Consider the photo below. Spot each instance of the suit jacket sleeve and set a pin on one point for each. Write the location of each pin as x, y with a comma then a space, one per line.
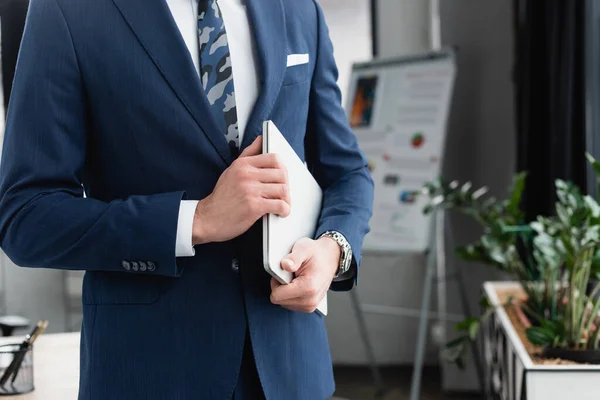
45, 221
334, 156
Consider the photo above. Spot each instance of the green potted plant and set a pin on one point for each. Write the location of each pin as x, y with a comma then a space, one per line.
554, 259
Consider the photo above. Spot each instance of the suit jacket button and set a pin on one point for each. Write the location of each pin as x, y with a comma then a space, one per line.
126, 265
143, 266
135, 266
235, 265
151, 266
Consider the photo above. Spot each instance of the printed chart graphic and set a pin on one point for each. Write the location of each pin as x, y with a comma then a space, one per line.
364, 98
417, 140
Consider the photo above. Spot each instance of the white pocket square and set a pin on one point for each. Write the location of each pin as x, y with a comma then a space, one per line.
297, 59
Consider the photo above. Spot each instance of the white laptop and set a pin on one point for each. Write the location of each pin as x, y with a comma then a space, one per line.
280, 234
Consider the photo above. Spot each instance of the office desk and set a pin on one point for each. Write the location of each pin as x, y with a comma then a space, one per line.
55, 367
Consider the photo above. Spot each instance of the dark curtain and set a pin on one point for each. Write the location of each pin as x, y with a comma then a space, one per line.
12, 20
549, 90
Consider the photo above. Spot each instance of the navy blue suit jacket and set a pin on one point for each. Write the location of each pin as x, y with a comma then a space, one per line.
106, 100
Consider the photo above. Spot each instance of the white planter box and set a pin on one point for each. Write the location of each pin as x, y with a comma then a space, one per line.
512, 375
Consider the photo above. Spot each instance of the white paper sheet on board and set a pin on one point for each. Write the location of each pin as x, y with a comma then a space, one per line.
398, 110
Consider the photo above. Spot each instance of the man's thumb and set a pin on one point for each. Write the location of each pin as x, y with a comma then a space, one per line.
301, 252
254, 149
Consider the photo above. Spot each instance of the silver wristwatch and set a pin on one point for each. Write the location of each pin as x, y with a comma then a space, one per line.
346, 258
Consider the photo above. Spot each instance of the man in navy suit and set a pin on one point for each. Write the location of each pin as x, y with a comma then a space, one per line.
132, 151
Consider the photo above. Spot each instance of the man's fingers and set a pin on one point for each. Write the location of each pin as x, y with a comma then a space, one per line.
276, 191
266, 161
275, 206
293, 307
274, 284
254, 149
276, 294
270, 175
283, 293
299, 295
302, 294
307, 304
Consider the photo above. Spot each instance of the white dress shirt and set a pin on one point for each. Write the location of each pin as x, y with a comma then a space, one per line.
245, 78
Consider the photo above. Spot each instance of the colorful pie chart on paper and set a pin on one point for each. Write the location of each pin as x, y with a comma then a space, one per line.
417, 140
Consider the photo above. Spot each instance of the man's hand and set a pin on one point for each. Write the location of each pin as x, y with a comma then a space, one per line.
254, 185
315, 263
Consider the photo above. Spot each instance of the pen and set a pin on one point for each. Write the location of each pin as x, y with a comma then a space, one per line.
29, 342
15, 365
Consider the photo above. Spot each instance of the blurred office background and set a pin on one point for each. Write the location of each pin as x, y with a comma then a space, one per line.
481, 147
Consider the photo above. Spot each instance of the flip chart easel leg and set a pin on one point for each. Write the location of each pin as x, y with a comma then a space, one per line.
415, 388
364, 336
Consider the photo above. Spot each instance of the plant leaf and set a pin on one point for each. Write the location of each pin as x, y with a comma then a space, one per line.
518, 186
474, 330
592, 205
595, 164
465, 324
455, 351
541, 336
485, 303
466, 188
479, 192
455, 342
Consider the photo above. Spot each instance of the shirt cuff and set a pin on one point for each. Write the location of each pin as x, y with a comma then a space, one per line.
185, 224
350, 274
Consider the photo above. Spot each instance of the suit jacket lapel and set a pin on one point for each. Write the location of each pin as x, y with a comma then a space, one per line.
267, 19
156, 30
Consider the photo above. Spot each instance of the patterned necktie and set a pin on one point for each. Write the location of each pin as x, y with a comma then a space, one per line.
215, 70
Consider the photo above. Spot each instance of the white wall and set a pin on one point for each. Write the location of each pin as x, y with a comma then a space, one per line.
34, 294
349, 23
403, 27
384, 280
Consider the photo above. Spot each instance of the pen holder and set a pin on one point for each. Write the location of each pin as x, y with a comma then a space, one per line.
21, 362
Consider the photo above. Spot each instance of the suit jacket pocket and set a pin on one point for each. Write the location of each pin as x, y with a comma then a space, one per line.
297, 74
121, 288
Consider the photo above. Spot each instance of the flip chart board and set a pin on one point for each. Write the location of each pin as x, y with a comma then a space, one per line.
398, 109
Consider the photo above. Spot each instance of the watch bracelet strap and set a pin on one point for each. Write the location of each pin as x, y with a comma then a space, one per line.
346, 258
